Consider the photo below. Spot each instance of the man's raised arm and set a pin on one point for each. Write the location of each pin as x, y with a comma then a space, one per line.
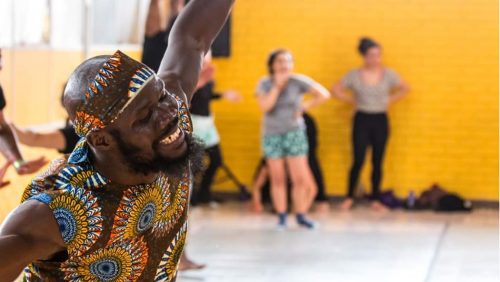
191, 37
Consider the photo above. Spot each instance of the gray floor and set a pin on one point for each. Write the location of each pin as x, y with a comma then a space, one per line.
358, 246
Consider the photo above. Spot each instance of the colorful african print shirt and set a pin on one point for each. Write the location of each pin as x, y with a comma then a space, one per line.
112, 232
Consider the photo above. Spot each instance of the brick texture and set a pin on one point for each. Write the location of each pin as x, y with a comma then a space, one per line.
445, 131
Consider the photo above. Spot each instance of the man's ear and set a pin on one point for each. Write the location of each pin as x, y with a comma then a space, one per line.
100, 140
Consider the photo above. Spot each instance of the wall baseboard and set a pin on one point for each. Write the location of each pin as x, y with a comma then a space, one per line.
234, 196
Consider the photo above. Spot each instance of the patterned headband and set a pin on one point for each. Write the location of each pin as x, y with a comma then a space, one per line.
116, 84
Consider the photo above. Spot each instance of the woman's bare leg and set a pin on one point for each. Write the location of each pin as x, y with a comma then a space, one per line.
278, 184
262, 176
302, 192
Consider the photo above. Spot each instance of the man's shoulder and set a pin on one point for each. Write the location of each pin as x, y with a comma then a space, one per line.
34, 220
46, 181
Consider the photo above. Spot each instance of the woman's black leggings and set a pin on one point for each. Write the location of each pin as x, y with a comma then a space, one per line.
369, 130
204, 193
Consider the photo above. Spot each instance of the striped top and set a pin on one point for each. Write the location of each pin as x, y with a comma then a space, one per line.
371, 98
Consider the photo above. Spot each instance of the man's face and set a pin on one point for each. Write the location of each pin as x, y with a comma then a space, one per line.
147, 132
1, 61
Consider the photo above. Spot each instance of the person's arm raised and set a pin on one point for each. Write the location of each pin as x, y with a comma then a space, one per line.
10, 149
29, 233
175, 7
192, 35
51, 140
154, 20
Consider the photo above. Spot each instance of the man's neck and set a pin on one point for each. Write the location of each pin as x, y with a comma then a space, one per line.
118, 172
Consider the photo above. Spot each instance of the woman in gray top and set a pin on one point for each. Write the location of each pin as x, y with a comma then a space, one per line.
374, 88
284, 140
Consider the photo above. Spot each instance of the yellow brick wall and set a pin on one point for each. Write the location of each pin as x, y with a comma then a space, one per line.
445, 131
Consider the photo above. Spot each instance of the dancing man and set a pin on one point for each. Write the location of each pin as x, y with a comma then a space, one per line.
115, 209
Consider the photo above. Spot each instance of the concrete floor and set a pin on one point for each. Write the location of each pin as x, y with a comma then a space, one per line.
361, 245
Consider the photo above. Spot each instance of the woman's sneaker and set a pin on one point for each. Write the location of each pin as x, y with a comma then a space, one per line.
305, 222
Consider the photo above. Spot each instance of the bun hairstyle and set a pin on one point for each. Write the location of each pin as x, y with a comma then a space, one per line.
272, 57
365, 44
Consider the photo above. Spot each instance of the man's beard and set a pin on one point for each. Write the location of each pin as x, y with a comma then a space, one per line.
172, 167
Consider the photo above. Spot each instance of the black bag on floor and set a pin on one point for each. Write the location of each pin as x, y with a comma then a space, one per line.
390, 200
453, 202
439, 199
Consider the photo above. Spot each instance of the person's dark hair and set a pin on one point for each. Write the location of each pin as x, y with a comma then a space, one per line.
365, 44
272, 57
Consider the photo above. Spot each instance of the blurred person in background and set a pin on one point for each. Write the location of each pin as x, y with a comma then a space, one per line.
204, 127
261, 180
62, 139
374, 88
159, 23
8, 142
284, 142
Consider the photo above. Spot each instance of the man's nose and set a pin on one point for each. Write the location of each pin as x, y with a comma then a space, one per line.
167, 111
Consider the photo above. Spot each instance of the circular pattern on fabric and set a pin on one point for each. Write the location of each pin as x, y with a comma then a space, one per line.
139, 210
106, 269
67, 223
79, 218
146, 217
119, 262
167, 268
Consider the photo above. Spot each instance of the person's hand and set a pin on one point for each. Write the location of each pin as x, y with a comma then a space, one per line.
299, 113
303, 108
28, 167
3, 171
281, 79
232, 96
